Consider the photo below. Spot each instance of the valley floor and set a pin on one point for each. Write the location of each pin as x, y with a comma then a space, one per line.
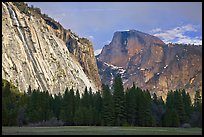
94, 130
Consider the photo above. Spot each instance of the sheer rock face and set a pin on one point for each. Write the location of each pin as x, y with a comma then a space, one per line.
151, 64
81, 48
34, 53
125, 45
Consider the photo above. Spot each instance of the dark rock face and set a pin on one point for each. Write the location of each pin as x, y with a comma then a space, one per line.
150, 63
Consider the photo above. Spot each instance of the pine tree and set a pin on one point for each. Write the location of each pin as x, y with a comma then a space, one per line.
10, 100
90, 108
143, 108
97, 108
138, 107
77, 99
119, 101
167, 119
21, 116
161, 110
78, 115
72, 106
29, 90
148, 119
187, 104
86, 107
67, 108
131, 105
196, 118
175, 113
170, 100
90, 102
171, 118
56, 104
197, 101
108, 106
175, 118
48, 107
32, 109
155, 98
179, 105
85, 98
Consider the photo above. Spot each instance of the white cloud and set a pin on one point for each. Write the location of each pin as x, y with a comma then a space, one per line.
91, 37
124, 30
195, 41
107, 42
177, 35
98, 51
155, 30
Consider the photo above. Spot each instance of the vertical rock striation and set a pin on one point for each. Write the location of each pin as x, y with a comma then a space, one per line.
34, 53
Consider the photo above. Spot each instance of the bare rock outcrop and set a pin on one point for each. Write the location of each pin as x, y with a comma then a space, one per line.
34, 54
150, 63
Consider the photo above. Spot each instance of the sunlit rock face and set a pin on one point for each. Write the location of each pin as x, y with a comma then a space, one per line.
150, 63
126, 44
35, 53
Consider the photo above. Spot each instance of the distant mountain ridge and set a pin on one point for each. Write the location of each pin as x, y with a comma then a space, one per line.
150, 63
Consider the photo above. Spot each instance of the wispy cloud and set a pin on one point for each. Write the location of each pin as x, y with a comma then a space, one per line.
107, 42
155, 30
188, 40
178, 35
91, 37
98, 51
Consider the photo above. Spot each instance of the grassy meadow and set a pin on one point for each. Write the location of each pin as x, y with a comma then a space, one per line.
93, 130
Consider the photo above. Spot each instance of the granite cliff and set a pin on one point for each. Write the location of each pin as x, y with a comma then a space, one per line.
38, 51
150, 63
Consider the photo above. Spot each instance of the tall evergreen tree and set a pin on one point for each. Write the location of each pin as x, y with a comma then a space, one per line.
161, 110
175, 118
90, 108
131, 105
196, 117
179, 105
56, 105
85, 98
119, 101
197, 101
77, 99
170, 100
155, 98
171, 118
97, 109
78, 115
187, 104
48, 105
147, 116
108, 106
10, 100
67, 109
32, 111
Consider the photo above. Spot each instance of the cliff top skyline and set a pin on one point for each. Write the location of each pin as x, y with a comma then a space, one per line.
176, 22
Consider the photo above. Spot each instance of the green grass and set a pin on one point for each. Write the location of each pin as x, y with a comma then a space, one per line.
86, 130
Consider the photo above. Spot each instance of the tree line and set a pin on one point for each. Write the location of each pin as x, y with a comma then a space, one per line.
117, 107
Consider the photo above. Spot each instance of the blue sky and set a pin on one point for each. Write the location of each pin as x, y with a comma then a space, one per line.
179, 22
